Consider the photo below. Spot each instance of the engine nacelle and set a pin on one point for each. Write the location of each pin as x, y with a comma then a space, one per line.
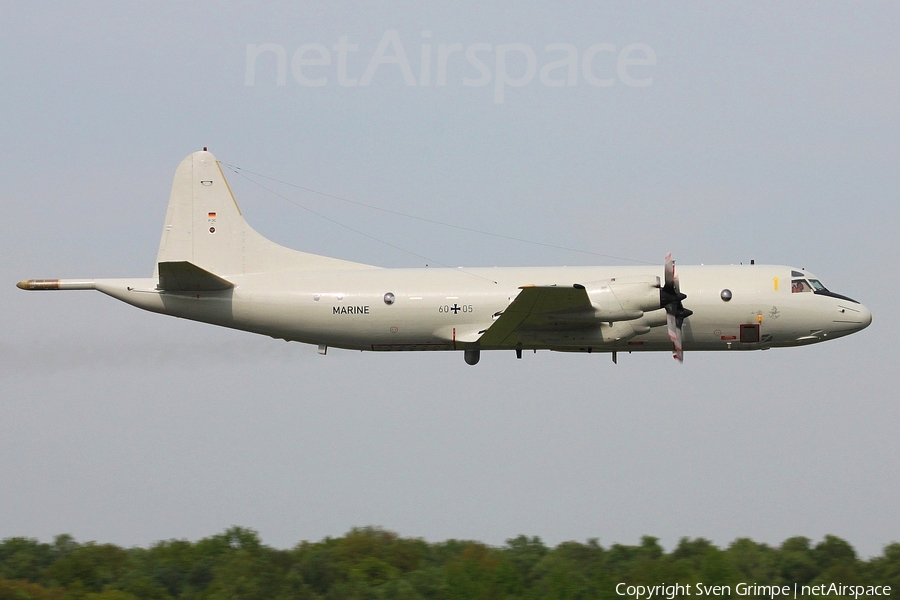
624, 299
621, 331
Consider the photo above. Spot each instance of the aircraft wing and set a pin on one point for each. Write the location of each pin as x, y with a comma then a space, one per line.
540, 308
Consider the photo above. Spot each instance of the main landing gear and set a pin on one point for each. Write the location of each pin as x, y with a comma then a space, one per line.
472, 356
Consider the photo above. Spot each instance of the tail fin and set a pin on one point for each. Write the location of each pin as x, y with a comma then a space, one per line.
204, 226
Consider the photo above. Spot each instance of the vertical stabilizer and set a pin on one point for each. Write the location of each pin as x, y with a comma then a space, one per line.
204, 226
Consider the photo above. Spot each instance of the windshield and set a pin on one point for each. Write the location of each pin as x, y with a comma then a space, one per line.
813, 285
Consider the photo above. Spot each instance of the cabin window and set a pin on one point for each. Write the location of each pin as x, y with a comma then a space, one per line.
750, 333
817, 285
800, 285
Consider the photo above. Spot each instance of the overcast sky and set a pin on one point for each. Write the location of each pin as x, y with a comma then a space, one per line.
722, 132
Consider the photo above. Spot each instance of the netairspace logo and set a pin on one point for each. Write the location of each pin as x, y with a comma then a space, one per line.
513, 65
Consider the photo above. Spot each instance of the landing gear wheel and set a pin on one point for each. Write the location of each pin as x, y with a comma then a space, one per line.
472, 356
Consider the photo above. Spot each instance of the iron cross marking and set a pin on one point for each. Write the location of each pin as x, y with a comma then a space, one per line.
455, 308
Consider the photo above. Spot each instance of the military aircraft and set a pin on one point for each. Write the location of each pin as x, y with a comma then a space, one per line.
214, 268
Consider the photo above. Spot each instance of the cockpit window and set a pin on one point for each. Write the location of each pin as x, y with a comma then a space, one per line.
817, 285
800, 285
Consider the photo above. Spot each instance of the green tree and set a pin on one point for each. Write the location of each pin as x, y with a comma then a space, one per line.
796, 563
885, 569
23, 558
373, 564
525, 553
24, 590
573, 570
89, 567
247, 570
480, 572
752, 561
836, 562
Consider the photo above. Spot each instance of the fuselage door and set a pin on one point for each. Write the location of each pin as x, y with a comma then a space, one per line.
750, 333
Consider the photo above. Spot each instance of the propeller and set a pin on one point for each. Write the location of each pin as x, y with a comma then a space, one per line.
670, 297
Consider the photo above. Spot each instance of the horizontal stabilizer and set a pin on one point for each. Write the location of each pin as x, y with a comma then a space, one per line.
182, 276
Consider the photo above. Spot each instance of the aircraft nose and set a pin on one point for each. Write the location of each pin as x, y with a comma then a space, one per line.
865, 317
857, 316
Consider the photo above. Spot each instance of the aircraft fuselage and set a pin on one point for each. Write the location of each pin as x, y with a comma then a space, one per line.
447, 309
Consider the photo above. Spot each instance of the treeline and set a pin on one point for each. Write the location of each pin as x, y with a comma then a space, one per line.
371, 563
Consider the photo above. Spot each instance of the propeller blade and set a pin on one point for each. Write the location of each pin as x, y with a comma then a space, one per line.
678, 353
670, 271
676, 313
